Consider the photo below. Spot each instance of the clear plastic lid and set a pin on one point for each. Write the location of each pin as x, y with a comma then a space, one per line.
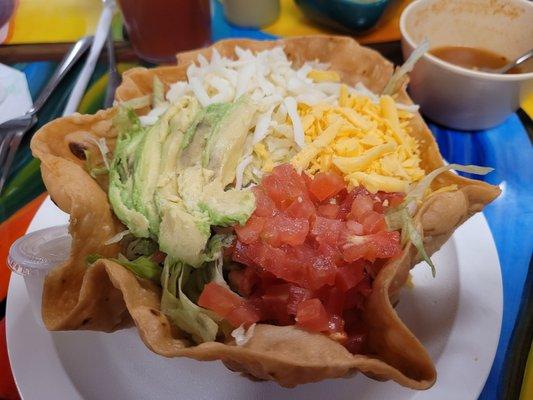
37, 252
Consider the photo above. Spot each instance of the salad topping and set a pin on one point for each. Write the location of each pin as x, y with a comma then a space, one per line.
308, 253
260, 192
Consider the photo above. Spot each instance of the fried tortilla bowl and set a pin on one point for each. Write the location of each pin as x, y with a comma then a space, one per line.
106, 296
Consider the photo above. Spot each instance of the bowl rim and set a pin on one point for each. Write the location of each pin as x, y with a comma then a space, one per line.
452, 67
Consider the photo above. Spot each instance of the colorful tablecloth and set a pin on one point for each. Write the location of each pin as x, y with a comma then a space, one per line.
507, 148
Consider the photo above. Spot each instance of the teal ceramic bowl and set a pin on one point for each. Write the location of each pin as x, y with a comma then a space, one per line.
354, 16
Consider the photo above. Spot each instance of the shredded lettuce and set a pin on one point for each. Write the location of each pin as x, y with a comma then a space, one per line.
158, 92
117, 238
141, 247
137, 102
94, 170
216, 244
101, 144
410, 232
92, 258
417, 193
142, 266
396, 78
92, 167
401, 218
183, 312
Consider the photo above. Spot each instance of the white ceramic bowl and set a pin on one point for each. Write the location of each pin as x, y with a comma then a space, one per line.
457, 97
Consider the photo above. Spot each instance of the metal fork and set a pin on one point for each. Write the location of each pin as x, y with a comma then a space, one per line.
114, 76
12, 131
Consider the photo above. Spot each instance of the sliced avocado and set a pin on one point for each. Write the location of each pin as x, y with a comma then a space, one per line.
156, 156
169, 180
225, 144
130, 134
171, 148
191, 182
226, 208
182, 235
147, 164
220, 131
196, 138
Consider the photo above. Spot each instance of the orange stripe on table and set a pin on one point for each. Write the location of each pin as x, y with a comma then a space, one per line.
11, 230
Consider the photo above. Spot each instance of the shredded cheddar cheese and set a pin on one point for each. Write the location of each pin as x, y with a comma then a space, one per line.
368, 143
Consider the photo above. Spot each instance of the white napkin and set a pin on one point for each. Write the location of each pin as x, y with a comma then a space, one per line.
15, 98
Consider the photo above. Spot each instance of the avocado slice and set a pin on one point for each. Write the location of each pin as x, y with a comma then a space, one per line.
147, 164
182, 235
225, 145
130, 134
172, 146
169, 181
226, 207
156, 156
145, 160
209, 160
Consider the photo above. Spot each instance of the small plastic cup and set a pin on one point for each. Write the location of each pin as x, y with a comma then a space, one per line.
34, 255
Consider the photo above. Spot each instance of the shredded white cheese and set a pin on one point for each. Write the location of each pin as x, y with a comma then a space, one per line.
117, 238
277, 89
242, 336
240, 171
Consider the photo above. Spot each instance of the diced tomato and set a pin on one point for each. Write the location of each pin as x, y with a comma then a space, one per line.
365, 286
326, 230
393, 199
278, 292
328, 210
284, 185
357, 331
243, 314
355, 343
356, 248
332, 252
312, 315
373, 222
249, 232
326, 185
373, 268
219, 299
354, 228
349, 276
345, 201
243, 280
264, 205
296, 296
158, 257
310, 253
386, 244
308, 179
283, 263
336, 323
275, 300
333, 299
228, 305
321, 272
244, 253
341, 196
302, 207
228, 251
361, 205
378, 245
356, 296
282, 229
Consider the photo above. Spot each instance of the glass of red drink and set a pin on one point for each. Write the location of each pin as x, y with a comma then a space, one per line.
158, 29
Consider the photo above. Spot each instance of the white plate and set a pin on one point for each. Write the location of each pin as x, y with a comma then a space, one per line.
457, 316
